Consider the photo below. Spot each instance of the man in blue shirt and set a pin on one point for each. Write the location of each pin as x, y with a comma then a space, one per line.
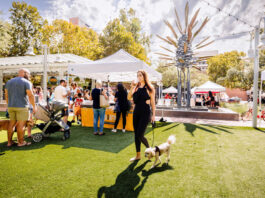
18, 95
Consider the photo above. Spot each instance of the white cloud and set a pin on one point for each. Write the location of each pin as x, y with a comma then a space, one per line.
153, 12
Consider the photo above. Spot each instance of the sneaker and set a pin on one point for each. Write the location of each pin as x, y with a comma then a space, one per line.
123, 130
114, 130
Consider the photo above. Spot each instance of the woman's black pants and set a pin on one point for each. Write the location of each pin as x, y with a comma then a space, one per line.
140, 122
118, 115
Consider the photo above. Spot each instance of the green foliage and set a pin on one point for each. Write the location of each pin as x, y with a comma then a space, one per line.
133, 25
230, 70
262, 59
124, 34
197, 78
170, 76
25, 30
64, 37
4, 38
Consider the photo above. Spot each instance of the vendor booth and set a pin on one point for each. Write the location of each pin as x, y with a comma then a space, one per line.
118, 67
204, 90
168, 101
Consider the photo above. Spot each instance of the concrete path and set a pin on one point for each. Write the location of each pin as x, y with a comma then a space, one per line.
261, 124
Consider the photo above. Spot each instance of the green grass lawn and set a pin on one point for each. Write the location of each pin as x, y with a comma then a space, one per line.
206, 161
236, 107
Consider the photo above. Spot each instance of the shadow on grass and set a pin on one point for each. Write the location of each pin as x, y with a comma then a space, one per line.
258, 129
192, 127
127, 181
83, 137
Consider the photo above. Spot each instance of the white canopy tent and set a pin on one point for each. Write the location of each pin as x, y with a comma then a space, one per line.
170, 90
118, 67
210, 86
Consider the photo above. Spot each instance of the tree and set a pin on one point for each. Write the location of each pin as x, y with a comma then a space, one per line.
170, 76
262, 59
25, 30
116, 37
133, 24
64, 37
198, 78
4, 38
220, 64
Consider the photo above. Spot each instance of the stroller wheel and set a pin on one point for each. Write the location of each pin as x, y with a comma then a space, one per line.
66, 135
37, 137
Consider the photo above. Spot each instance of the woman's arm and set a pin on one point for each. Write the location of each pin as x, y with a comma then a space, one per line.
132, 90
153, 105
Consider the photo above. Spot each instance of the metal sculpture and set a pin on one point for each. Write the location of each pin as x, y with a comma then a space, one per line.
182, 57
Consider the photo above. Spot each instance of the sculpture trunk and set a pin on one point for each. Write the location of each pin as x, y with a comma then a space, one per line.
179, 88
188, 88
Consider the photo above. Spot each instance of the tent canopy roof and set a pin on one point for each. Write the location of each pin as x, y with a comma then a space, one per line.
118, 67
170, 90
210, 86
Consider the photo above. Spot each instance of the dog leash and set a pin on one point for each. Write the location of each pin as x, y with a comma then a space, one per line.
153, 129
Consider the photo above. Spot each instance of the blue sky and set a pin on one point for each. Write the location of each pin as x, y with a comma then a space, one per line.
42, 6
97, 13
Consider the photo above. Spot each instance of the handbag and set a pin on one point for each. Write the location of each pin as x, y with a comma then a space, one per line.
117, 107
103, 102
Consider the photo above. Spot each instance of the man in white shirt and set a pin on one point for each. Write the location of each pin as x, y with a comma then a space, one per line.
61, 94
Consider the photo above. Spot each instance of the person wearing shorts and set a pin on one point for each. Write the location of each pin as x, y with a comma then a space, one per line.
18, 95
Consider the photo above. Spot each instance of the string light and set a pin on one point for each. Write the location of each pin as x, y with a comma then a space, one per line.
228, 14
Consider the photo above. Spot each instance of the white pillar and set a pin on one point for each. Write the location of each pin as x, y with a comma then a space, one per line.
93, 84
45, 62
1, 85
256, 78
61, 74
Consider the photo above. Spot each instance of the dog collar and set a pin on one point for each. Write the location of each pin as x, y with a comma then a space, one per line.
157, 150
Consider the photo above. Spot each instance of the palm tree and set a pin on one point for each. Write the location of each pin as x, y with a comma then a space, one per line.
182, 56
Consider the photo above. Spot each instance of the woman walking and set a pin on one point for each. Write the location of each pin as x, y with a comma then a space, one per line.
121, 106
143, 94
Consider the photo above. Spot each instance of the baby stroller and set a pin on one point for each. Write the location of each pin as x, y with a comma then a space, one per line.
52, 116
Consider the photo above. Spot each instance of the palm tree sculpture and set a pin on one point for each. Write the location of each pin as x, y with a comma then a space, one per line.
182, 57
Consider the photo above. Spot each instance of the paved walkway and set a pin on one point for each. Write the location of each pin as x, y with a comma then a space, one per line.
261, 124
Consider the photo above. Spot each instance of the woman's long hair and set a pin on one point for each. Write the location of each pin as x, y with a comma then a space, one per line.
121, 89
146, 81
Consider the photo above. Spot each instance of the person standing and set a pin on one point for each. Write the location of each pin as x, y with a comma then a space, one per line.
61, 94
121, 106
143, 94
19, 93
97, 110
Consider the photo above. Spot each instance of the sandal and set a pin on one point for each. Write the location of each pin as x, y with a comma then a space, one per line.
12, 144
134, 159
100, 134
24, 144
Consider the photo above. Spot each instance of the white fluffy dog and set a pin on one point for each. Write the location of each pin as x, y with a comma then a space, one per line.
157, 151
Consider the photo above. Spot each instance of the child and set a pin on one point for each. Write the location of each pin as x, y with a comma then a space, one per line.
77, 108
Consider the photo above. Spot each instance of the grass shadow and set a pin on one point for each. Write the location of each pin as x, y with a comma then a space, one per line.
128, 183
171, 127
258, 129
192, 127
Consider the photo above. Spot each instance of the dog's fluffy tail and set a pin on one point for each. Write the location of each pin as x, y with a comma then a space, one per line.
171, 139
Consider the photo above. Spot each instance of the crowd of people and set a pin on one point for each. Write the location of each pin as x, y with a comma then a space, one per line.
22, 97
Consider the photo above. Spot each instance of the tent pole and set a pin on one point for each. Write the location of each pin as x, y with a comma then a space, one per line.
260, 91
